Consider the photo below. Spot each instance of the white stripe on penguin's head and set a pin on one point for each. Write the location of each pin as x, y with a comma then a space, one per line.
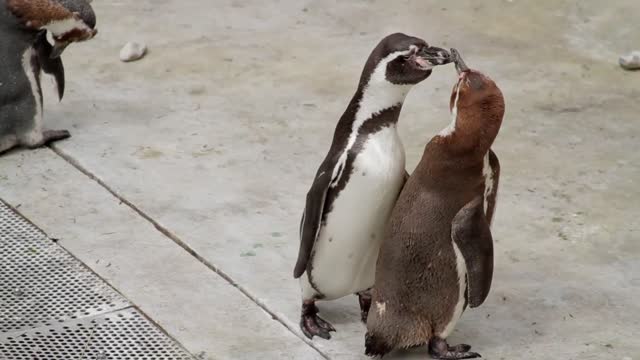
378, 94
454, 115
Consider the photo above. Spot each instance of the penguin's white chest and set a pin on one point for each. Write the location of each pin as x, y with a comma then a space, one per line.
346, 251
34, 135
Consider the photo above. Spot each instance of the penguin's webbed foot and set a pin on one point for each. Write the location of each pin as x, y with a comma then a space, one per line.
313, 325
439, 349
364, 298
49, 136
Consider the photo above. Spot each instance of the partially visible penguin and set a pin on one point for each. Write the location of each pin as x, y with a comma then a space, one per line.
25, 53
359, 180
437, 255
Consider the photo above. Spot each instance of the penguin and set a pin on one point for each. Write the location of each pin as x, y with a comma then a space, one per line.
437, 254
358, 182
25, 52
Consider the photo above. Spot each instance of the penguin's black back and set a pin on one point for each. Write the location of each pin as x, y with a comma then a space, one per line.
17, 101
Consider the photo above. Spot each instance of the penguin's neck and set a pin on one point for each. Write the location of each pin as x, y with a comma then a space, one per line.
374, 106
471, 131
377, 96
450, 130
372, 101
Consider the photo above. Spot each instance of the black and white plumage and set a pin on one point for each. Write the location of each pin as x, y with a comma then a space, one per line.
25, 53
358, 183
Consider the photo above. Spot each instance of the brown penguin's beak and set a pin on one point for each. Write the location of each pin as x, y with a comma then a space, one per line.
435, 56
58, 48
457, 59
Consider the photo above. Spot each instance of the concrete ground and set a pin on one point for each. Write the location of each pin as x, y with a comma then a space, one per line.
185, 177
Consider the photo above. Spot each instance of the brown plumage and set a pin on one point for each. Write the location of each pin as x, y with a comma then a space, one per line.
417, 288
37, 13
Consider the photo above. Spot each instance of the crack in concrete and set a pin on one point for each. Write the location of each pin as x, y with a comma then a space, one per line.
166, 232
129, 304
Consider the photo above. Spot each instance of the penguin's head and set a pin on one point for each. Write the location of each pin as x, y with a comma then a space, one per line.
80, 25
477, 105
68, 21
402, 60
472, 87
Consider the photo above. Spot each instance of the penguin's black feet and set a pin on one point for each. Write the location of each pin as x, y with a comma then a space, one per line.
313, 325
364, 297
49, 136
439, 349
460, 348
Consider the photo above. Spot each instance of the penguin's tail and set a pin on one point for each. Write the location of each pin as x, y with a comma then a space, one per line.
375, 345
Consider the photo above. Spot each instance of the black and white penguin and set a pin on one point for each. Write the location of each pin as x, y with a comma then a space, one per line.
359, 180
25, 53
437, 255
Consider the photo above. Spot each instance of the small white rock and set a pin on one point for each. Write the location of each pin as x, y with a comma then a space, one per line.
133, 51
630, 61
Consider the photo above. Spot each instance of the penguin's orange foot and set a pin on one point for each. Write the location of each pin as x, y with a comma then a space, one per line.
313, 325
364, 298
439, 349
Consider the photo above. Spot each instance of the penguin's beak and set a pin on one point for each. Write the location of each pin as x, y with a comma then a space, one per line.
58, 48
435, 56
472, 78
457, 59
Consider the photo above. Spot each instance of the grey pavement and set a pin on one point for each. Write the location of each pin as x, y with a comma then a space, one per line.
184, 180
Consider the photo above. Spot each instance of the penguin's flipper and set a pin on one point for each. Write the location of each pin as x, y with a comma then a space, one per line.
494, 164
470, 232
50, 66
312, 218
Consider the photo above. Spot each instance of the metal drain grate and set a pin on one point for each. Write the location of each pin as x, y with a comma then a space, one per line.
122, 335
54, 308
40, 283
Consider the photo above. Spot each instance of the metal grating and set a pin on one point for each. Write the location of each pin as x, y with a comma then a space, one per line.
121, 335
40, 283
54, 308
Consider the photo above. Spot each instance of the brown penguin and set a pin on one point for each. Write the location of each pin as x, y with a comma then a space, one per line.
437, 254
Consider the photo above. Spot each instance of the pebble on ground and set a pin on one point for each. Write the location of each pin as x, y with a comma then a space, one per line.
133, 51
630, 61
